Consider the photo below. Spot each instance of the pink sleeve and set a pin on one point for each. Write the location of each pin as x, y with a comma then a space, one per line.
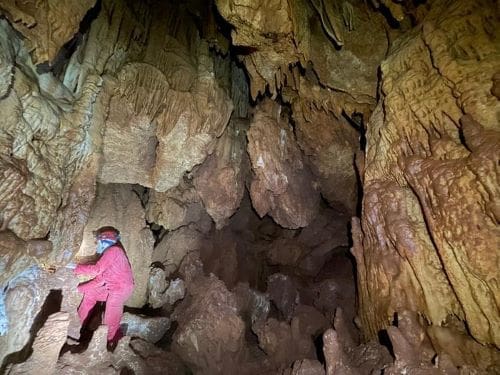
96, 269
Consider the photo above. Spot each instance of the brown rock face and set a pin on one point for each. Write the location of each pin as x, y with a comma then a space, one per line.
210, 334
46, 347
279, 35
27, 299
428, 239
220, 180
282, 186
167, 108
47, 26
41, 139
176, 207
330, 144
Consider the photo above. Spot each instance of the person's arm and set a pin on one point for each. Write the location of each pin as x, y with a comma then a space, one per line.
96, 269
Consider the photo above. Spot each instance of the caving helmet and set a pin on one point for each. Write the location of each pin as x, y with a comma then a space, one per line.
106, 237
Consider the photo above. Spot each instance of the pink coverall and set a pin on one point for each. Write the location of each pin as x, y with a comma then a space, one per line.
112, 282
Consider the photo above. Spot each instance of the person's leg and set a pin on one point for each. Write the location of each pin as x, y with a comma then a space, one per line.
113, 315
90, 298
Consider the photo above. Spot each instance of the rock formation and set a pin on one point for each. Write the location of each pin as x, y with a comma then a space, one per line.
428, 237
302, 187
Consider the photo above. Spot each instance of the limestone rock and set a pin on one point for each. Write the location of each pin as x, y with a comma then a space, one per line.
130, 133
150, 329
282, 186
343, 356
94, 360
158, 361
41, 135
310, 320
126, 358
252, 305
24, 296
46, 28
309, 250
175, 245
284, 342
265, 27
162, 292
307, 367
46, 347
170, 113
210, 333
335, 288
330, 143
412, 250
364, 46
197, 122
220, 180
118, 206
280, 36
283, 292
8, 45
177, 207
166, 107
65, 281
456, 348
334, 354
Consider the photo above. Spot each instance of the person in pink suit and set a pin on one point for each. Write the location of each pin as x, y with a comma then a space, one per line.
112, 281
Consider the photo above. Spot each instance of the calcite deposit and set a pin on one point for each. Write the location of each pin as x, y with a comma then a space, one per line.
302, 187
283, 186
428, 239
47, 26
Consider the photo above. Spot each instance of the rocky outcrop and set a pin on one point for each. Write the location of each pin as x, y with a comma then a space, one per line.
43, 130
172, 249
282, 185
163, 292
46, 28
177, 207
283, 342
220, 180
428, 236
26, 302
94, 360
46, 347
210, 334
343, 356
150, 329
330, 143
279, 36
167, 107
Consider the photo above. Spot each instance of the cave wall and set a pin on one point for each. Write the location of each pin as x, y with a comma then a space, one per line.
427, 239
